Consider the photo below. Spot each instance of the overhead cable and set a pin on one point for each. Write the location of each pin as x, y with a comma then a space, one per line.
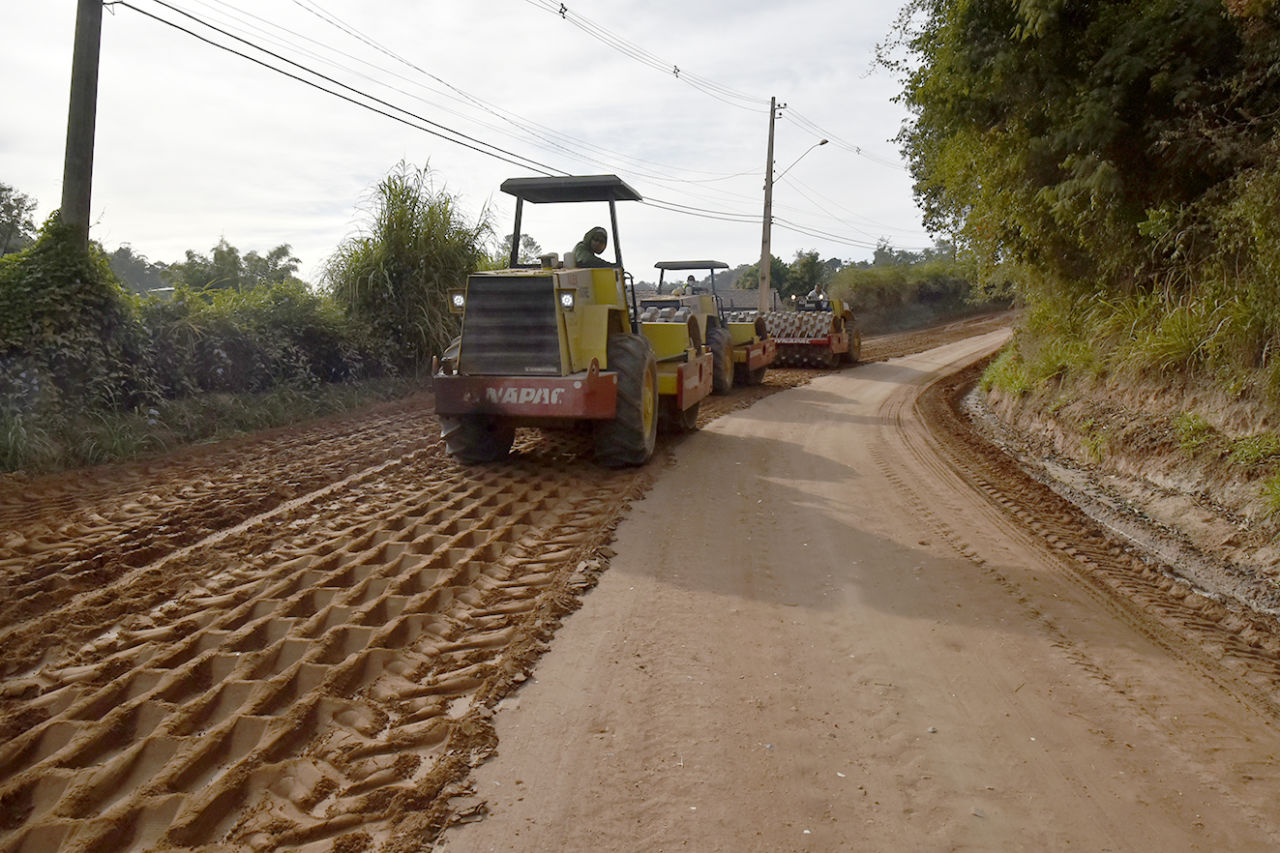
372, 103
519, 160
531, 128
705, 85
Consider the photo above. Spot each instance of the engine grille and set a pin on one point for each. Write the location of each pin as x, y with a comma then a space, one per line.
510, 327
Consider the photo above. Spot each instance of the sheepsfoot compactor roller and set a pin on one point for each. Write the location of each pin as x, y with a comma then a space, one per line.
819, 333
553, 345
741, 349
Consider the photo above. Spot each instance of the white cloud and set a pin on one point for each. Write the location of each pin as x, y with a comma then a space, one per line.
195, 144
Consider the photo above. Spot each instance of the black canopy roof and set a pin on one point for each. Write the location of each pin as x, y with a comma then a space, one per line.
691, 265
571, 188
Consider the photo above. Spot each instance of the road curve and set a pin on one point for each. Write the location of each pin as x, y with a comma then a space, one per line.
818, 635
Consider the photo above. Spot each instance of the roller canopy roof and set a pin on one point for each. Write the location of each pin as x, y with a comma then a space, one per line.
572, 188
691, 265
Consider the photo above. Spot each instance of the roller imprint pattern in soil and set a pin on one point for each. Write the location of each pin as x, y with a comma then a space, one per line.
336, 677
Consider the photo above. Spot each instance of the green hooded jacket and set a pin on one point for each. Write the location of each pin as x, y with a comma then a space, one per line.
584, 255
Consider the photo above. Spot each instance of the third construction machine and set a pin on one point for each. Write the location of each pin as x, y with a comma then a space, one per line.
819, 332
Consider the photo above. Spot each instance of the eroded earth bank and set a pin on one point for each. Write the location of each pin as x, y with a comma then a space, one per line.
833, 619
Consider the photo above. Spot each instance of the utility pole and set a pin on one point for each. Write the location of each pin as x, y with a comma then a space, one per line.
766, 253
77, 170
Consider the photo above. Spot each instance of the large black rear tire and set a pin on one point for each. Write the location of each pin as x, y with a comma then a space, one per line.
720, 342
477, 438
629, 438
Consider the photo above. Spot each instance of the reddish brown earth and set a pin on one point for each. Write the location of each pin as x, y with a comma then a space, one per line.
833, 619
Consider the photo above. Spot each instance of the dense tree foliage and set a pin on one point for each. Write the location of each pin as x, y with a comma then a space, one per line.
225, 269
279, 334
1110, 158
397, 273
138, 273
69, 339
529, 251
1054, 133
900, 289
749, 279
17, 228
807, 273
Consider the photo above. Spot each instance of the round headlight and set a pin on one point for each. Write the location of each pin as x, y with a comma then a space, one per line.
458, 300
567, 299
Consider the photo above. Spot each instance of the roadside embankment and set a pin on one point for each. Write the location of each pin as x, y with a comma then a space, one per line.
1184, 472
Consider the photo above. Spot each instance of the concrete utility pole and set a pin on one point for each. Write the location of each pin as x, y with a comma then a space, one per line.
766, 253
77, 170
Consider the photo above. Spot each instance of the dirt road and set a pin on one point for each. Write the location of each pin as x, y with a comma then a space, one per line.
823, 626
816, 636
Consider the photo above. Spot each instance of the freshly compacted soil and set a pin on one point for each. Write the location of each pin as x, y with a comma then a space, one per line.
832, 619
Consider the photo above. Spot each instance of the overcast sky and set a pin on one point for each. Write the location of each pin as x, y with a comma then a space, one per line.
195, 144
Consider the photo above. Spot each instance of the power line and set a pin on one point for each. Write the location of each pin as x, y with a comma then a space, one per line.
527, 127
457, 137
797, 185
551, 136
705, 85
528, 163
662, 179
796, 118
536, 166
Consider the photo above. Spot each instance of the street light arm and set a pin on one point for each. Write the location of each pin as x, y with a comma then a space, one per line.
801, 157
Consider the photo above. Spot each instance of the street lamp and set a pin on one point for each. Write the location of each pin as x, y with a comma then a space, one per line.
801, 157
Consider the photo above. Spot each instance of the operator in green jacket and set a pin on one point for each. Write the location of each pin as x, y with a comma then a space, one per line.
587, 253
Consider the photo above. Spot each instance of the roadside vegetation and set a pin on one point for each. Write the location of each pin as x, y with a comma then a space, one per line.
1114, 164
894, 290
1117, 165
902, 290
93, 371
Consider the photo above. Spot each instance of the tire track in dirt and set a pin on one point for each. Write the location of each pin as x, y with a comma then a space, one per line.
81, 534
1234, 650
355, 642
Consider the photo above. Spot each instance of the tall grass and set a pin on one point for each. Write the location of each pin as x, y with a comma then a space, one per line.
396, 274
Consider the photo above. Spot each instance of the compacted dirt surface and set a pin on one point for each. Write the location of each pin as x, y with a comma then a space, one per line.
832, 619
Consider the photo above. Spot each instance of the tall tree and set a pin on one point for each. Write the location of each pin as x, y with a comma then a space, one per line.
17, 229
1049, 133
275, 267
224, 268
806, 273
135, 270
529, 250
750, 277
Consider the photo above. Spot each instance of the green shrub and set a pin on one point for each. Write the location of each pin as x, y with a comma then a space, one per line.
1271, 495
70, 339
275, 335
85, 366
1094, 438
